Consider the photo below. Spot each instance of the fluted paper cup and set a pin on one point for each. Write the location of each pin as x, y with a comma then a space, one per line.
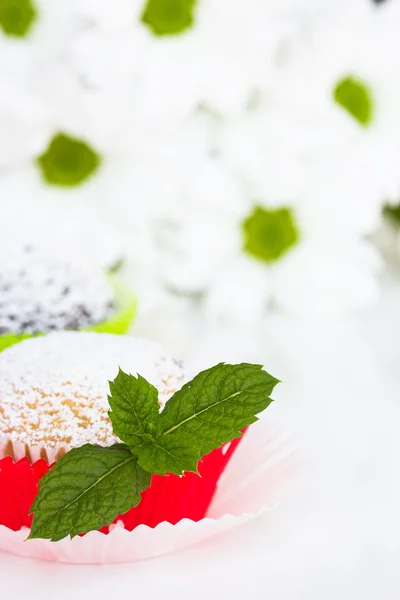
175, 512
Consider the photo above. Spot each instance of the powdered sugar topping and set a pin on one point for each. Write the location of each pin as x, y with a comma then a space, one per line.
53, 390
40, 293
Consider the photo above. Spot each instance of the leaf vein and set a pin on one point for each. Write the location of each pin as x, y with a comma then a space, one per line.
58, 512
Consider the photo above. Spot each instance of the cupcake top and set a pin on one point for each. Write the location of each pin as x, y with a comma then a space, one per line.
53, 389
40, 293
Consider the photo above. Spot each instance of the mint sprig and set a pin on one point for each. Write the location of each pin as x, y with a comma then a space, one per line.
90, 486
207, 412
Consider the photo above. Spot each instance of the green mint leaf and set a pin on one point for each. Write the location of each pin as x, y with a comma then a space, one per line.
268, 234
207, 412
68, 161
168, 17
354, 96
17, 17
134, 408
85, 490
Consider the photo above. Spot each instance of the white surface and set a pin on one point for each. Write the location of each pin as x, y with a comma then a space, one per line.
339, 535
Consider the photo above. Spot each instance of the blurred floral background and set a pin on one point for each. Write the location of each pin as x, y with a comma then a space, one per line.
239, 164
236, 155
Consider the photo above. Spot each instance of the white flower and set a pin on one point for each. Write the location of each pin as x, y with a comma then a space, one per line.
108, 56
102, 117
170, 167
105, 15
63, 220
267, 257
259, 147
42, 44
24, 123
337, 91
32, 113
216, 60
305, 12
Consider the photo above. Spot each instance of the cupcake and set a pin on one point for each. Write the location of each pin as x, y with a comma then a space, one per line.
40, 293
55, 399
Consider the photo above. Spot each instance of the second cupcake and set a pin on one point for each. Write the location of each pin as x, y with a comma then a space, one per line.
41, 293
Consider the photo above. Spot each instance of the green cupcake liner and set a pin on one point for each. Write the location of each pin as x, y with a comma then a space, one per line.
10, 339
118, 323
122, 319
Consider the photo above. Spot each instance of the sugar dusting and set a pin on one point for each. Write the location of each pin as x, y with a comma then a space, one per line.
53, 390
40, 293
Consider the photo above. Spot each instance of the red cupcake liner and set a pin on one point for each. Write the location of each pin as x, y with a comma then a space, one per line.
169, 498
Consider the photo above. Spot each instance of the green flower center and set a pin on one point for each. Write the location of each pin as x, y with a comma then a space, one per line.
268, 234
68, 161
354, 96
17, 16
168, 17
392, 211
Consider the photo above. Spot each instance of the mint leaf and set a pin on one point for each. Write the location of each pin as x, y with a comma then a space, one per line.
85, 490
207, 412
269, 234
134, 408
